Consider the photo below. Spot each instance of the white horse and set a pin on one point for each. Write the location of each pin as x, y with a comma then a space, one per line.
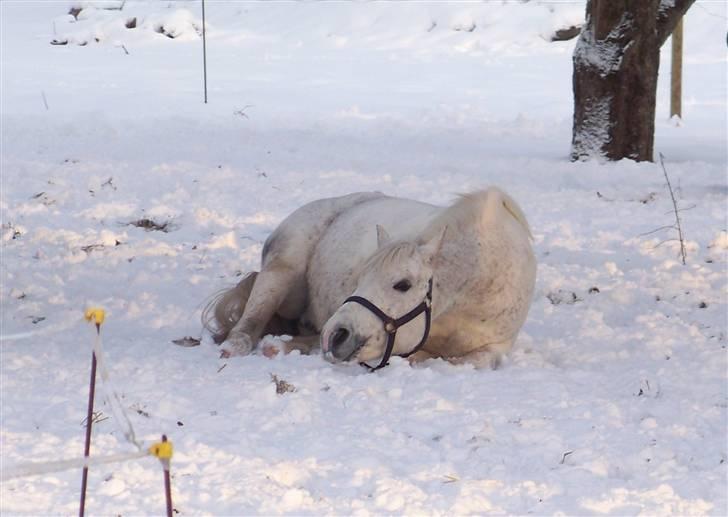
451, 282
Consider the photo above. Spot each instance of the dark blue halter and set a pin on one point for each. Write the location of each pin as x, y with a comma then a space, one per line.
391, 324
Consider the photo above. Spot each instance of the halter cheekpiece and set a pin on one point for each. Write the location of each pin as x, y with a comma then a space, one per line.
391, 325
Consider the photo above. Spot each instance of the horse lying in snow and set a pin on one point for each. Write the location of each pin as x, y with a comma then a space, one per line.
451, 282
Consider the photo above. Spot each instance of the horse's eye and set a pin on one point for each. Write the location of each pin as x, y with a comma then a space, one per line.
402, 286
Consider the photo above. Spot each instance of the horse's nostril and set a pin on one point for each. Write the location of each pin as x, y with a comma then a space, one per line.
340, 336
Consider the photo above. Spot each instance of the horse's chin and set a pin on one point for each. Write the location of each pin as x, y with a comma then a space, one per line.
369, 354
360, 354
328, 356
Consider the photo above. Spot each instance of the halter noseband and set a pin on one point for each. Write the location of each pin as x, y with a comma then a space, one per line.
391, 325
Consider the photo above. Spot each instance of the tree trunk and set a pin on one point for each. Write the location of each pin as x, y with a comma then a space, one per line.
616, 62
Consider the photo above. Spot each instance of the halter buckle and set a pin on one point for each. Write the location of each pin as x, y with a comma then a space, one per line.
390, 328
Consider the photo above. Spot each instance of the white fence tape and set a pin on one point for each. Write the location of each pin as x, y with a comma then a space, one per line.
49, 467
120, 416
112, 397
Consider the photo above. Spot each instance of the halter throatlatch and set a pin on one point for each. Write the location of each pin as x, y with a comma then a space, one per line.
391, 325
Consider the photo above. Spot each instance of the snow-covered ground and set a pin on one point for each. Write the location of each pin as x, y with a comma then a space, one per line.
614, 399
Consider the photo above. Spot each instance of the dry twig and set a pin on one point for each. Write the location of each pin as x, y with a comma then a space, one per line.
678, 226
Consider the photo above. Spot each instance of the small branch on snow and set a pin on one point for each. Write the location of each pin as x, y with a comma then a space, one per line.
676, 210
45, 101
282, 386
605, 198
687, 208
241, 111
566, 33
663, 242
563, 458
119, 7
666, 227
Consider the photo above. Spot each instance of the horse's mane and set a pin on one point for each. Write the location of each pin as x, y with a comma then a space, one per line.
393, 252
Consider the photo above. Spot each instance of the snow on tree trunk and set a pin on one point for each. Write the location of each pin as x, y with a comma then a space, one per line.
616, 61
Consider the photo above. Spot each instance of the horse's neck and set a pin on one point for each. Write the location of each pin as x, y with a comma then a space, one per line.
456, 263
462, 257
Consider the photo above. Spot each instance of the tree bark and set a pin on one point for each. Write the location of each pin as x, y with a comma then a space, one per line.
669, 15
616, 62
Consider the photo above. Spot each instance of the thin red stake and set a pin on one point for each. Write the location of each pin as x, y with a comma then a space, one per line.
89, 423
167, 483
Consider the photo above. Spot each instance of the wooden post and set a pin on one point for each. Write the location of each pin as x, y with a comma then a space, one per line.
676, 71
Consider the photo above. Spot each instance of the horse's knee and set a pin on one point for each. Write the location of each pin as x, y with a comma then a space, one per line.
287, 288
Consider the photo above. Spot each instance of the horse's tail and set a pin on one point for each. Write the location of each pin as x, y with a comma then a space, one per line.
226, 307
511, 207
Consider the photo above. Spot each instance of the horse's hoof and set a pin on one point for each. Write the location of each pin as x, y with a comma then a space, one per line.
270, 350
236, 345
271, 346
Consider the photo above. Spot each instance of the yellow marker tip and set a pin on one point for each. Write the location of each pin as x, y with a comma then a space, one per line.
162, 450
95, 315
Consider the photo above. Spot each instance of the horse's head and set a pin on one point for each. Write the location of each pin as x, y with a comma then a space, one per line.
393, 284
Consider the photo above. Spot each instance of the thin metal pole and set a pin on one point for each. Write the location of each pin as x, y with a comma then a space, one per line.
167, 483
89, 423
204, 50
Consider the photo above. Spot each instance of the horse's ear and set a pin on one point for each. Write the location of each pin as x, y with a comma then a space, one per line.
382, 236
431, 248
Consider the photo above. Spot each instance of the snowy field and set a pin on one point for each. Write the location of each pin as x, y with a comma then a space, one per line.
614, 398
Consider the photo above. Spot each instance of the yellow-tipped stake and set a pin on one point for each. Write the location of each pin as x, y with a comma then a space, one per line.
164, 450
97, 315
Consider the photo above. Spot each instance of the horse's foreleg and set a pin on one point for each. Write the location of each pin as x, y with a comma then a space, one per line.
487, 357
271, 289
419, 356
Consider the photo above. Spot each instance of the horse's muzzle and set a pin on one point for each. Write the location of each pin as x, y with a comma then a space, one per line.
341, 344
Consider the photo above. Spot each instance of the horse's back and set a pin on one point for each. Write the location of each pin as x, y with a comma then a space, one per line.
295, 238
